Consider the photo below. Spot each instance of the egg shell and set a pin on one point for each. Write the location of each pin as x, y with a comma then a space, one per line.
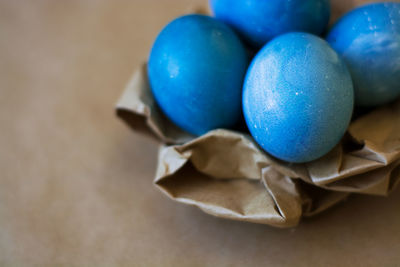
258, 21
297, 98
368, 39
196, 70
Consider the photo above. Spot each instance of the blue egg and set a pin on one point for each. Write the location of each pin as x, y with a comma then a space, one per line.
368, 39
196, 70
258, 21
297, 97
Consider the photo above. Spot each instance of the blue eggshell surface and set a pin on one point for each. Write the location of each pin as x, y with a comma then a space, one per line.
297, 97
368, 39
196, 70
258, 21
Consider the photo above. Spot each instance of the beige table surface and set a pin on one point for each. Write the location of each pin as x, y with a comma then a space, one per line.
76, 183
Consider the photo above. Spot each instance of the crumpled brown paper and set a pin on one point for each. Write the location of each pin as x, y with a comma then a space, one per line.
226, 174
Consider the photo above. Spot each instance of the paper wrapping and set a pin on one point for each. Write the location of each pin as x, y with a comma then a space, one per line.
226, 174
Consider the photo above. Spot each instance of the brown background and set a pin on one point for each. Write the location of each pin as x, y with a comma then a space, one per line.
76, 183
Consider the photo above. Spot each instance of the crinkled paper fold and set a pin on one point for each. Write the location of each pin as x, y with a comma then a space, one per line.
226, 174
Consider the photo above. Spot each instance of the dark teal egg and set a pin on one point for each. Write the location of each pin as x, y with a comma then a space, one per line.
196, 70
258, 21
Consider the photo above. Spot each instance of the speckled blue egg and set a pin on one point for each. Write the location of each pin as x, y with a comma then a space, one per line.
196, 70
258, 21
297, 97
368, 39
